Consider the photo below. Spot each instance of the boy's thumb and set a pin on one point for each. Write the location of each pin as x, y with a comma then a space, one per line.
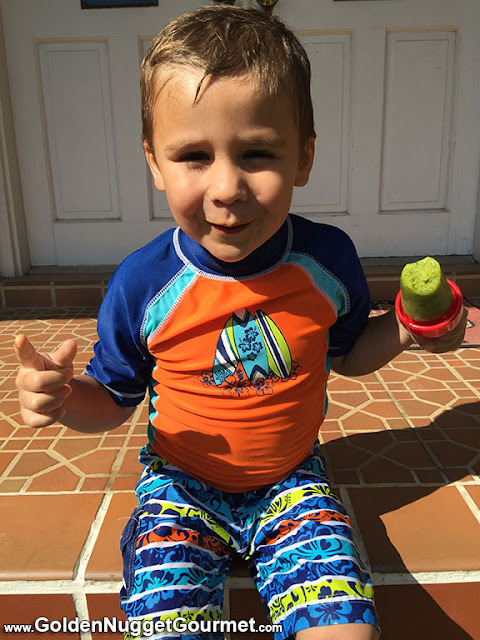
64, 356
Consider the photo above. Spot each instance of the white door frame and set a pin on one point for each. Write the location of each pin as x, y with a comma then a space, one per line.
14, 252
476, 233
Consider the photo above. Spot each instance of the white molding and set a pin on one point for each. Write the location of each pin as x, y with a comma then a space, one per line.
418, 120
476, 231
14, 253
78, 137
158, 206
331, 57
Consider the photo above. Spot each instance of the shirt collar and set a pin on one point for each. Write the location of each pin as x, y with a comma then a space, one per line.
262, 259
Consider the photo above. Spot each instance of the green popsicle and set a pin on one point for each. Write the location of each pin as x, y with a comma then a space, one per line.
426, 294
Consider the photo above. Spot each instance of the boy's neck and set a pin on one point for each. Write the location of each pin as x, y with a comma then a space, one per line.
262, 259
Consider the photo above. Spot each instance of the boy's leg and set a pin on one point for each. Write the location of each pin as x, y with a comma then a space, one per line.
176, 558
308, 570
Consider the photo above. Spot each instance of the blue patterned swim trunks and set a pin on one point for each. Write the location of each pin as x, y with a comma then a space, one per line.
296, 535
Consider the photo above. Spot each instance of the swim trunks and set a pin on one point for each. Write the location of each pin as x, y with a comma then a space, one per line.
296, 535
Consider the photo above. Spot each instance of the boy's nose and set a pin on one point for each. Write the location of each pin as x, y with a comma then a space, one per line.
227, 183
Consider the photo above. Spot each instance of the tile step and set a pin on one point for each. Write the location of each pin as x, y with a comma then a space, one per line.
404, 444
86, 289
445, 611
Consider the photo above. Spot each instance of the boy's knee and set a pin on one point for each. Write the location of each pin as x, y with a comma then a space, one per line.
340, 632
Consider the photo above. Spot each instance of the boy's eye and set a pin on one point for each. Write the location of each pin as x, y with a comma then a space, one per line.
194, 156
259, 153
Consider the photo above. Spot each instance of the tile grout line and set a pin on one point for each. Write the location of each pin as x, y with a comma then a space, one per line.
406, 417
81, 610
91, 539
87, 492
76, 589
452, 406
226, 607
357, 534
55, 587
406, 485
94, 531
460, 378
62, 463
425, 577
470, 502
391, 395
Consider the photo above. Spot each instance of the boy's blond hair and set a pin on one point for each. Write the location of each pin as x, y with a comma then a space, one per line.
226, 41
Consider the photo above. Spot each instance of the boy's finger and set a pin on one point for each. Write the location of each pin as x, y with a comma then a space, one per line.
426, 344
39, 420
64, 356
44, 381
27, 354
45, 403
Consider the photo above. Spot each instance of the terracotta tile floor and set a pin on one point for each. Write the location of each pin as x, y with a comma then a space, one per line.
403, 446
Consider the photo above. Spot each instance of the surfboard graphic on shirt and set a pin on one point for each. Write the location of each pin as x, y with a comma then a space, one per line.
226, 355
255, 343
279, 357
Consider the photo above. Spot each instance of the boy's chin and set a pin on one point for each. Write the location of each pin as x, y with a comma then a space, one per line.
229, 249
230, 255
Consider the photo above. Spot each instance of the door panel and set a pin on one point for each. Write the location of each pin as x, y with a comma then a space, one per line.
396, 96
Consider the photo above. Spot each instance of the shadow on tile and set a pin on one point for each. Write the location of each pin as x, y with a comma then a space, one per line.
420, 616
410, 525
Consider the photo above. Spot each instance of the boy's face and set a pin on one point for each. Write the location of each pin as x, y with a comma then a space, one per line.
228, 162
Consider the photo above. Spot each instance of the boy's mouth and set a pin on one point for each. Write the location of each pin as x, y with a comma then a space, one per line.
229, 231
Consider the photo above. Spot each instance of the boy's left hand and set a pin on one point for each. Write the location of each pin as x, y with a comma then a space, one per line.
449, 342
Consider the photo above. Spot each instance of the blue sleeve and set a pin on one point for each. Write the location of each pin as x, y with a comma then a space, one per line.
121, 362
333, 249
347, 268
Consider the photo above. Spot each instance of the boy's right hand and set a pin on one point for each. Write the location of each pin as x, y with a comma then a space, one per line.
43, 381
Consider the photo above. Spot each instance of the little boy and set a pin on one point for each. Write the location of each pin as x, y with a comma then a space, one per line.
232, 321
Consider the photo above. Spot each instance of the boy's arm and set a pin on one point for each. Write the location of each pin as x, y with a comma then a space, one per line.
91, 409
383, 338
49, 393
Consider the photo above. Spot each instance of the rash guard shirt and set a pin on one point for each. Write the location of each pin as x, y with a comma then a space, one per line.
235, 355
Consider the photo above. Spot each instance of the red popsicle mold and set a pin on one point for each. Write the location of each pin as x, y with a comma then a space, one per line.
439, 326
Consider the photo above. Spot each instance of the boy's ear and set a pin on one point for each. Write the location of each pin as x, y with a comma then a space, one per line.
152, 163
305, 163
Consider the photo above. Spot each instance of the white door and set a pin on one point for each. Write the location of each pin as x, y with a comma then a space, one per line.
395, 85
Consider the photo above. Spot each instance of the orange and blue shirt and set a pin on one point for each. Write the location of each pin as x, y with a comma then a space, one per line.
235, 355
